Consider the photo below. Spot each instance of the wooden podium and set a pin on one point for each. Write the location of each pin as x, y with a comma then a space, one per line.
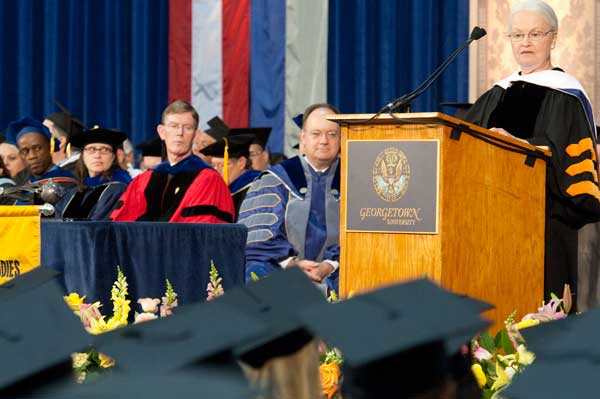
489, 242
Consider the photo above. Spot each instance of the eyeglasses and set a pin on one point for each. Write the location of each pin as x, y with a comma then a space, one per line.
186, 128
254, 154
101, 150
534, 36
34, 148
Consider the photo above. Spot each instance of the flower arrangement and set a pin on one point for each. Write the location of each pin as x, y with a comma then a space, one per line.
497, 359
92, 362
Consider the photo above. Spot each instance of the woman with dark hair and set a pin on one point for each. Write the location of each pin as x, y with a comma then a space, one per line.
100, 179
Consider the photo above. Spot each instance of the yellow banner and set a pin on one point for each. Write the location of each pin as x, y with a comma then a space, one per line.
19, 240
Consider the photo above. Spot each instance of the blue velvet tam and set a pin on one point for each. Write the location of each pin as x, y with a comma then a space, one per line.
25, 125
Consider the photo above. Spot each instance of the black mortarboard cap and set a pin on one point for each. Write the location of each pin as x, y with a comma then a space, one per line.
408, 315
192, 334
276, 300
199, 383
239, 146
38, 333
575, 335
261, 134
563, 378
217, 128
112, 137
67, 121
151, 148
416, 324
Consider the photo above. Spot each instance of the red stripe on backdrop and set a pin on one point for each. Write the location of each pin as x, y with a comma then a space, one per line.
236, 62
180, 49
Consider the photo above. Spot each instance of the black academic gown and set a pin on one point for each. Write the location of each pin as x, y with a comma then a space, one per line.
558, 119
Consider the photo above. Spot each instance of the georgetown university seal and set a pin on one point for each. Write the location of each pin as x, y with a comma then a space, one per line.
391, 173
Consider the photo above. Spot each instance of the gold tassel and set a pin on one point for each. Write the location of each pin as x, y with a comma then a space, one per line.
52, 144
226, 162
68, 150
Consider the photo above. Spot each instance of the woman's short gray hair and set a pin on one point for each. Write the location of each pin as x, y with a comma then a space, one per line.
538, 6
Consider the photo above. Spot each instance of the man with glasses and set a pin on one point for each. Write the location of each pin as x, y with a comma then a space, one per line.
183, 188
292, 210
36, 146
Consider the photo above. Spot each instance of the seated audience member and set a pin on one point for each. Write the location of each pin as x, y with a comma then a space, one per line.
216, 131
182, 189
152, 153
5, 181
258, 149
64, 127
126, 158
100, 179
237, 170
36, 146
13, 163
292, 210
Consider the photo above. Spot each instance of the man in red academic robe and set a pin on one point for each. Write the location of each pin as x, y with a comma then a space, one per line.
184, 188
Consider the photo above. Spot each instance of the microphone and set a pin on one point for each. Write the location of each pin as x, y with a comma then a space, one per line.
476, 34
46, 209
50, 191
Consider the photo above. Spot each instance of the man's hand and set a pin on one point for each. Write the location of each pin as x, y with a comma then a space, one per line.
315, 271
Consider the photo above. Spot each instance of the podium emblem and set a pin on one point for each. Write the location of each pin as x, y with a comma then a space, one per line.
391, 174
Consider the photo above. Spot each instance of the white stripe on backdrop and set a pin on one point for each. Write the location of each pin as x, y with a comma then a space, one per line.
305, 61
207, 71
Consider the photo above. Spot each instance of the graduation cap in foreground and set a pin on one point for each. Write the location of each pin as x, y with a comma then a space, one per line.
38, 333
151, 148
261, 134
112, 137
199, 383
217, 128
398, 339
564, 378
193, 334
277, 301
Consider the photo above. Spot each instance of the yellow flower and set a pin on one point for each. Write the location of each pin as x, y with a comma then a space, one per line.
74, 301
525, 357
106, 361
526, 324
79, 359
503, 378
479, 375
330, 378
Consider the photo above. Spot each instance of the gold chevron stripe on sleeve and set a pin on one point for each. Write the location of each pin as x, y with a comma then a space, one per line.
584, 187
587, 165
575, 150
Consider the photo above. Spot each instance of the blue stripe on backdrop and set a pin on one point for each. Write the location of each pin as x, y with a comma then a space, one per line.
107, 61
267, 68
379, 50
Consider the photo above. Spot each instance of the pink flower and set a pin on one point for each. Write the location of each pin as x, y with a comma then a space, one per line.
142, 317
480, 353
149, 305
547, 312
214, 292
87, 312
167, 310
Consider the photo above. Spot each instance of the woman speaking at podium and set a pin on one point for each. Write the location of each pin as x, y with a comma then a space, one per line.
545, 106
